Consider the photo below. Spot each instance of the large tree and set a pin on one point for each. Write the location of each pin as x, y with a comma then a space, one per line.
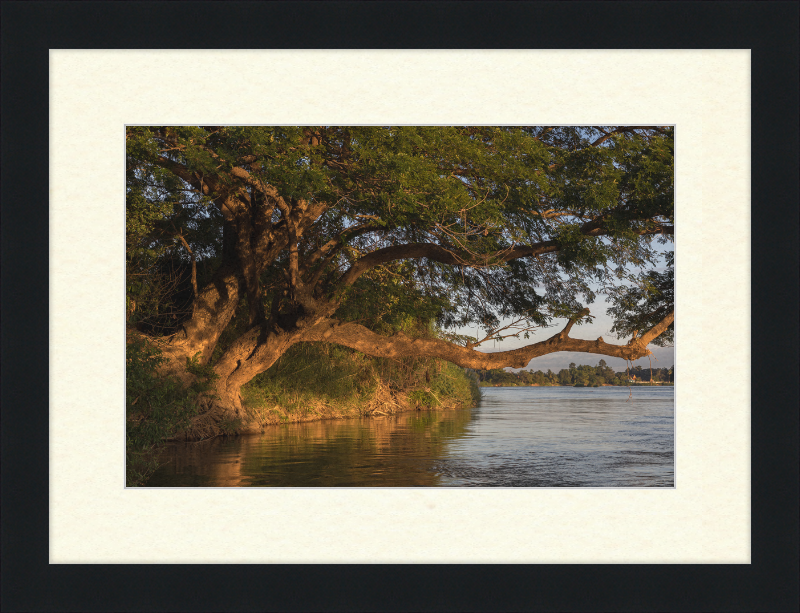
314, 233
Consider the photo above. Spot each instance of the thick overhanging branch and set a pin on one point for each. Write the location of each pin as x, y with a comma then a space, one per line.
399, 345
439, 254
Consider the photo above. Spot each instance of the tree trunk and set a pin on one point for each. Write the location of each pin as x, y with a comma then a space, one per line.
249, 355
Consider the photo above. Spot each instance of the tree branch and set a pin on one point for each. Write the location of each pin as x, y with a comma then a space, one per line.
438, 254
399, 345
658, 329
338, 240
464, 258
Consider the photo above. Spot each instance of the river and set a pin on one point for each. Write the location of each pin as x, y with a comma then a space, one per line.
516, 437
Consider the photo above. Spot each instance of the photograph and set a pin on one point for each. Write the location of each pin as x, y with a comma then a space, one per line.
400, 306
398, 323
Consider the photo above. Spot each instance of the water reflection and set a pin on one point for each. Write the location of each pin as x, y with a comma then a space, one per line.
518, 437
394, 450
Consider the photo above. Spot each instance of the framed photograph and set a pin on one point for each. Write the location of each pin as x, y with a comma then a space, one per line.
709, 530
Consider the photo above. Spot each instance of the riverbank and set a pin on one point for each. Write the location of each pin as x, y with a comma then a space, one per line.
383, 401
320, 381
311, 382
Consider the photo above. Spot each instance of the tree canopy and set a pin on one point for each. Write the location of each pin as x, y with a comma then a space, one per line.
243, 241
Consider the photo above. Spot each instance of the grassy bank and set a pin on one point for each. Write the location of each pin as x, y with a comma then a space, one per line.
311, 381
321, 381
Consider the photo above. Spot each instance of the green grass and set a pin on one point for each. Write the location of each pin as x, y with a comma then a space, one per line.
318, 380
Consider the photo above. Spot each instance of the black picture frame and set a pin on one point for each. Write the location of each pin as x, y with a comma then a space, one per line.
769, 29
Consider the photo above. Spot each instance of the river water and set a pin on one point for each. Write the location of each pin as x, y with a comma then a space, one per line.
516, 437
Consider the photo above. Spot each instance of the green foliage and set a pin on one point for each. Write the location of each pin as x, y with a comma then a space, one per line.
454, 382
204, 373
156, 407
312, 372
646, 375
388, 297
476, 189
423, 398
640, 307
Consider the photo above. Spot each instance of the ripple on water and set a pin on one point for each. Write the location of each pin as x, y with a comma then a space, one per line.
517, 437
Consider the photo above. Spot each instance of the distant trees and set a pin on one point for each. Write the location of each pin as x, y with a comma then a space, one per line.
583, 375
661, 375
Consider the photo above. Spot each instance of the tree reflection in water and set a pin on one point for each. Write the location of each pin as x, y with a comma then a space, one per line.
397, 450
